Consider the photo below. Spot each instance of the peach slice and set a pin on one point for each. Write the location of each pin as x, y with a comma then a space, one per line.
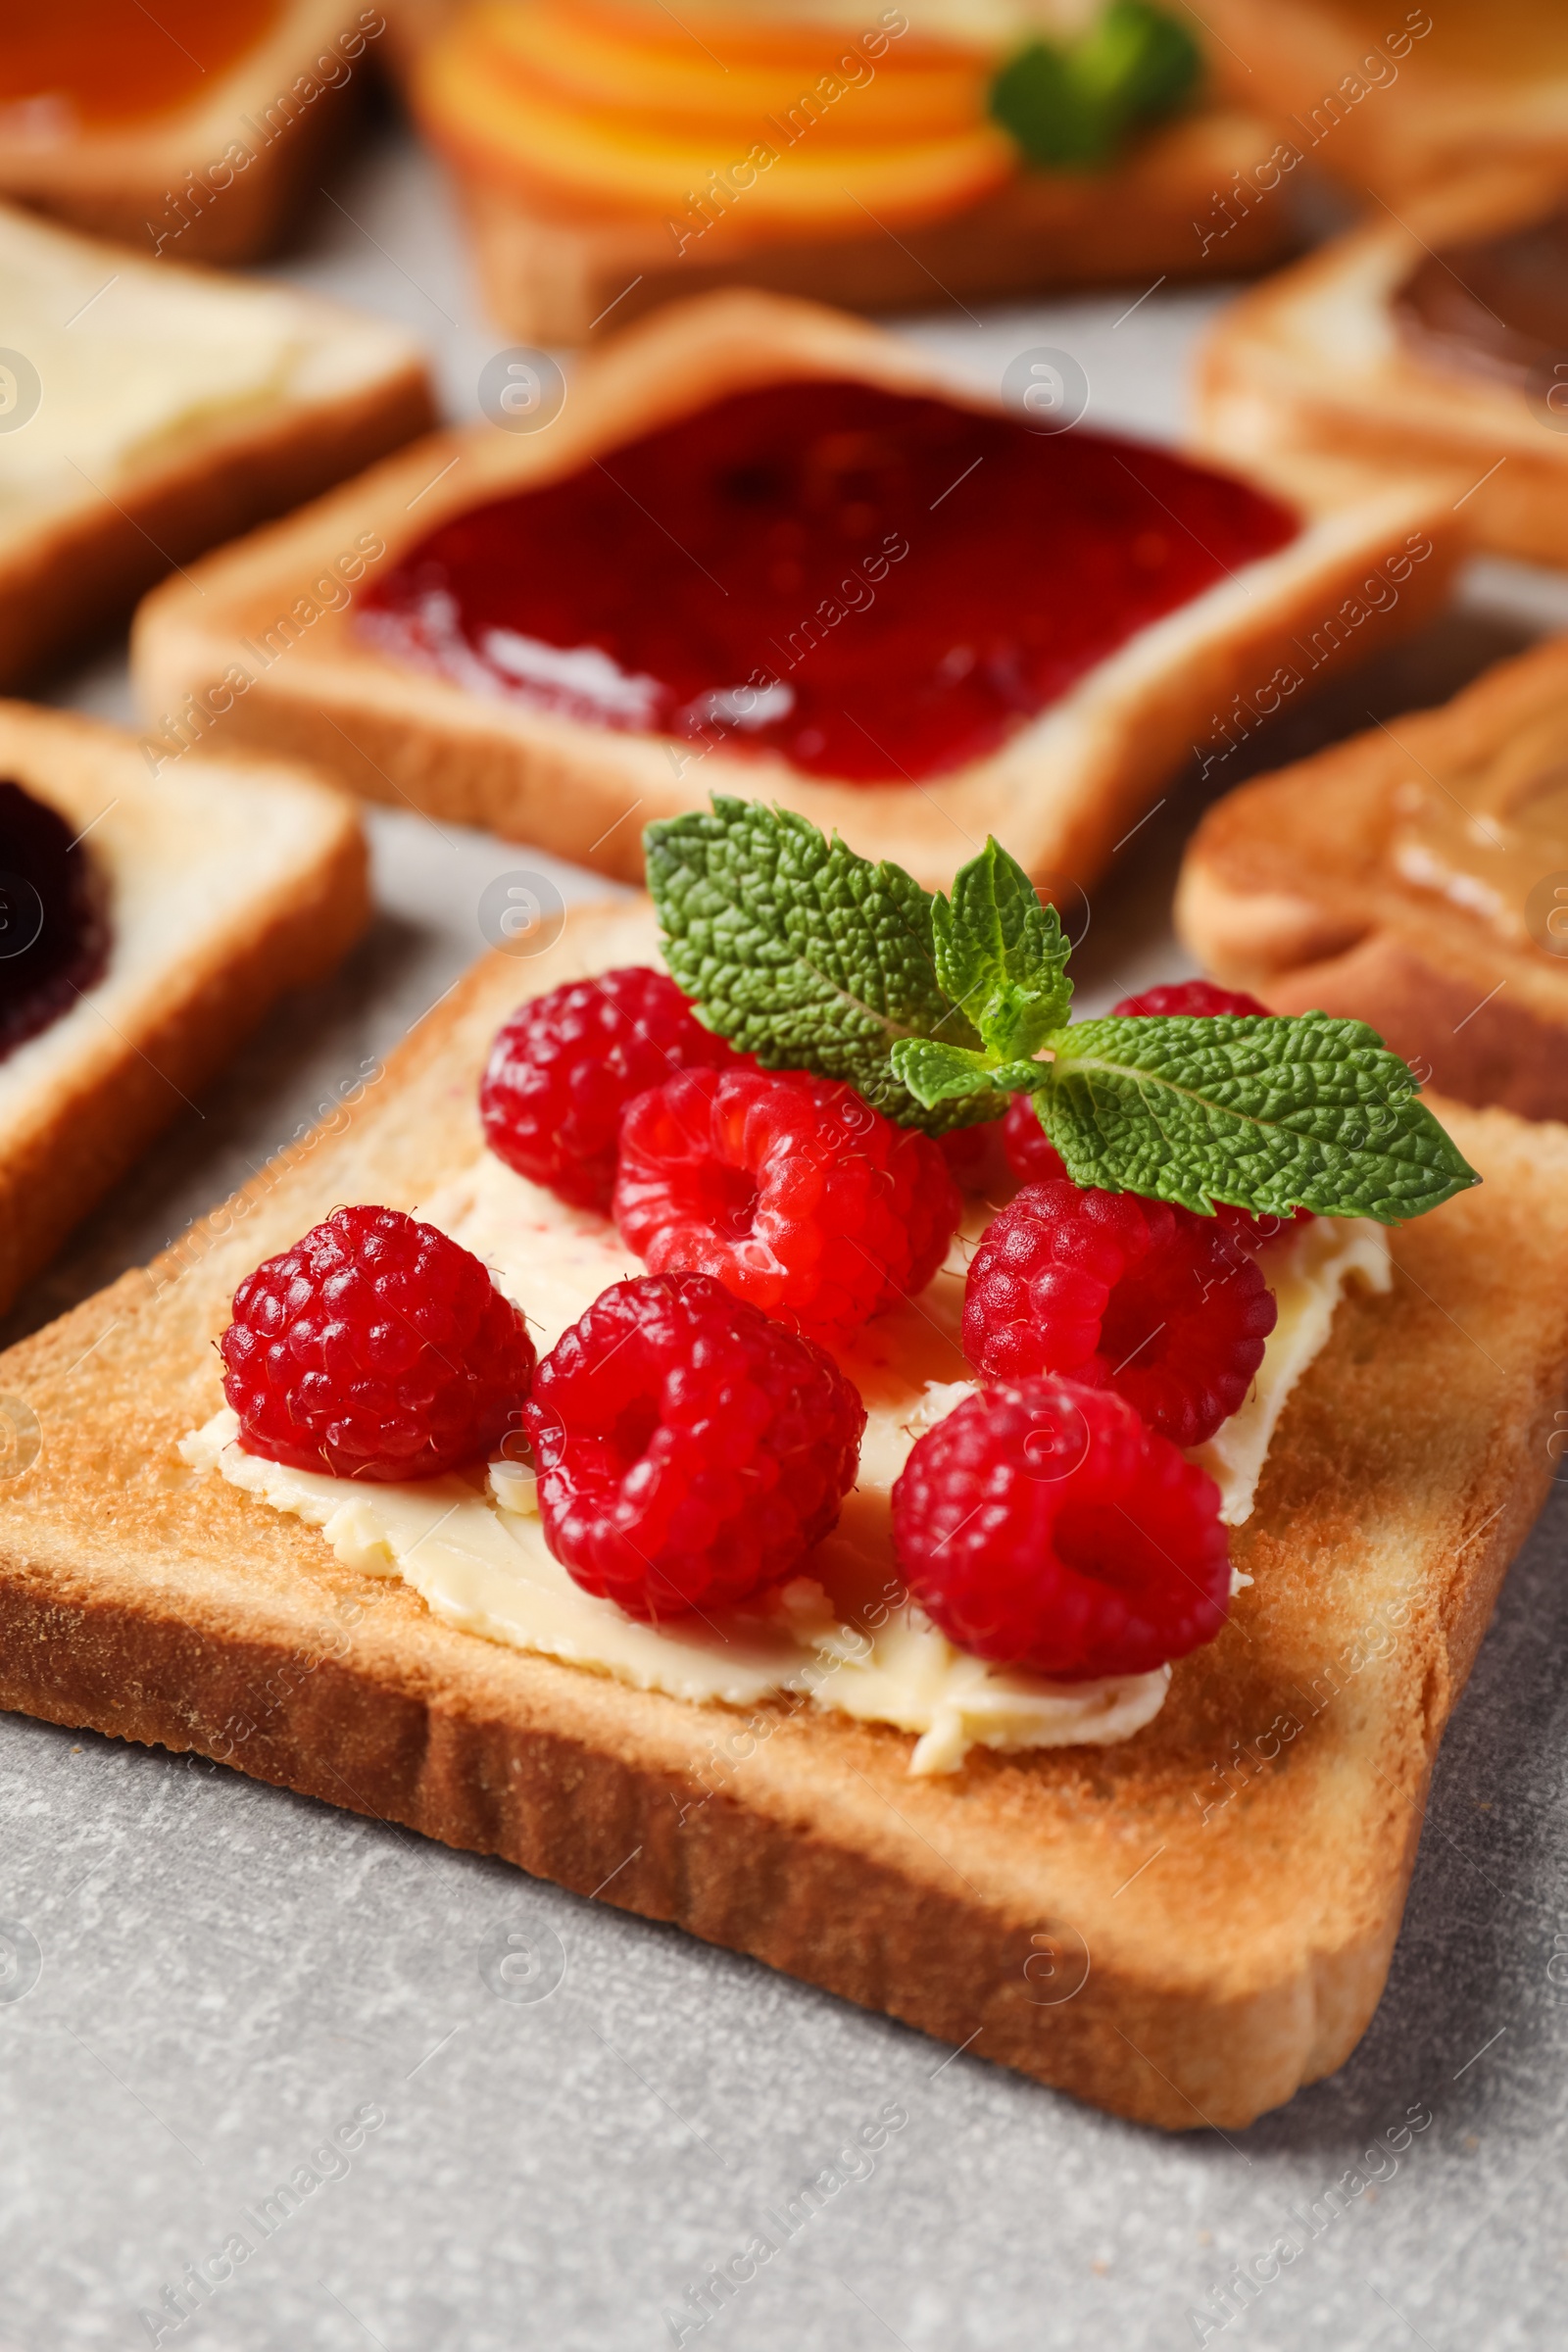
510, 128
603, 64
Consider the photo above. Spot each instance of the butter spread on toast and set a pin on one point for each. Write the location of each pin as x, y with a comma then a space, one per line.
843, 1638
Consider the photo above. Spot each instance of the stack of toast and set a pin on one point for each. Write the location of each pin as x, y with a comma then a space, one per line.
341, 603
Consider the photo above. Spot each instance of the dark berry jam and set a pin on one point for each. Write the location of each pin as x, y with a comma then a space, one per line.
877, 586
54, 929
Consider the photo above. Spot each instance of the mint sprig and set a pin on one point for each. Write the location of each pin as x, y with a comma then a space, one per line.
1273, 1114
808, 956
1070, 104
937, 1009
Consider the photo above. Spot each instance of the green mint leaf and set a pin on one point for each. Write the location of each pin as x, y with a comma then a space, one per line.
1144, 61
1070, 106
1272, 1114
1036, 101
805, 955
1000, 955
936, 1073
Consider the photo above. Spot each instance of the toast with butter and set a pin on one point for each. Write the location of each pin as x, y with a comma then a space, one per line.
1182, 1927
1415, 877
150, 410
466, 742
191, 132
206, 894
1427, 344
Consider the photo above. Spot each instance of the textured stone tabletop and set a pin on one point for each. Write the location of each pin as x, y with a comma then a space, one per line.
415, 2100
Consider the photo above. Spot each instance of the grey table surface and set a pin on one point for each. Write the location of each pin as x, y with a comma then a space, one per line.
506, 2117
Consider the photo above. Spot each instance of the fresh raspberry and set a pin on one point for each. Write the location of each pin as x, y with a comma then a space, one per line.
1200, 997
1121, 1292
566, 1064
1043, 1525
974, 1161
1030, 1153
691, 1451
790, 1191
1190, 998
375, 1349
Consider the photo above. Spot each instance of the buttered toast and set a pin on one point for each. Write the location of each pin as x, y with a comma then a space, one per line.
1182, 1928
153, 409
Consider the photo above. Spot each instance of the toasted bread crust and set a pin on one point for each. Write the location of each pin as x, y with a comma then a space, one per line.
1235, 1885
552, 280
1060, 795
98, 1117
1412, 120
1276, 390
82, 572
134, 183
1286, 889
82, 565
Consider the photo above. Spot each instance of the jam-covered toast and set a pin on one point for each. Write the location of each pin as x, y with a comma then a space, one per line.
547, 738
147, 925
190, 134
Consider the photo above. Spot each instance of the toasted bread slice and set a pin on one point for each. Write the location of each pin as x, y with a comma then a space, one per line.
1397, 100
1310, 370
1059, 794
214, 178
227, 881
170, 409
1182, 1928
1325, 886
548, 277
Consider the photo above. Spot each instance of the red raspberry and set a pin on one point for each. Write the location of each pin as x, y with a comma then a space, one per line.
565, 1065
1199, 998
1030, 1153
1203, 998
375, 1349
1121, 1292
691, 1451
973, 1160
1043, 1525
790, 1191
